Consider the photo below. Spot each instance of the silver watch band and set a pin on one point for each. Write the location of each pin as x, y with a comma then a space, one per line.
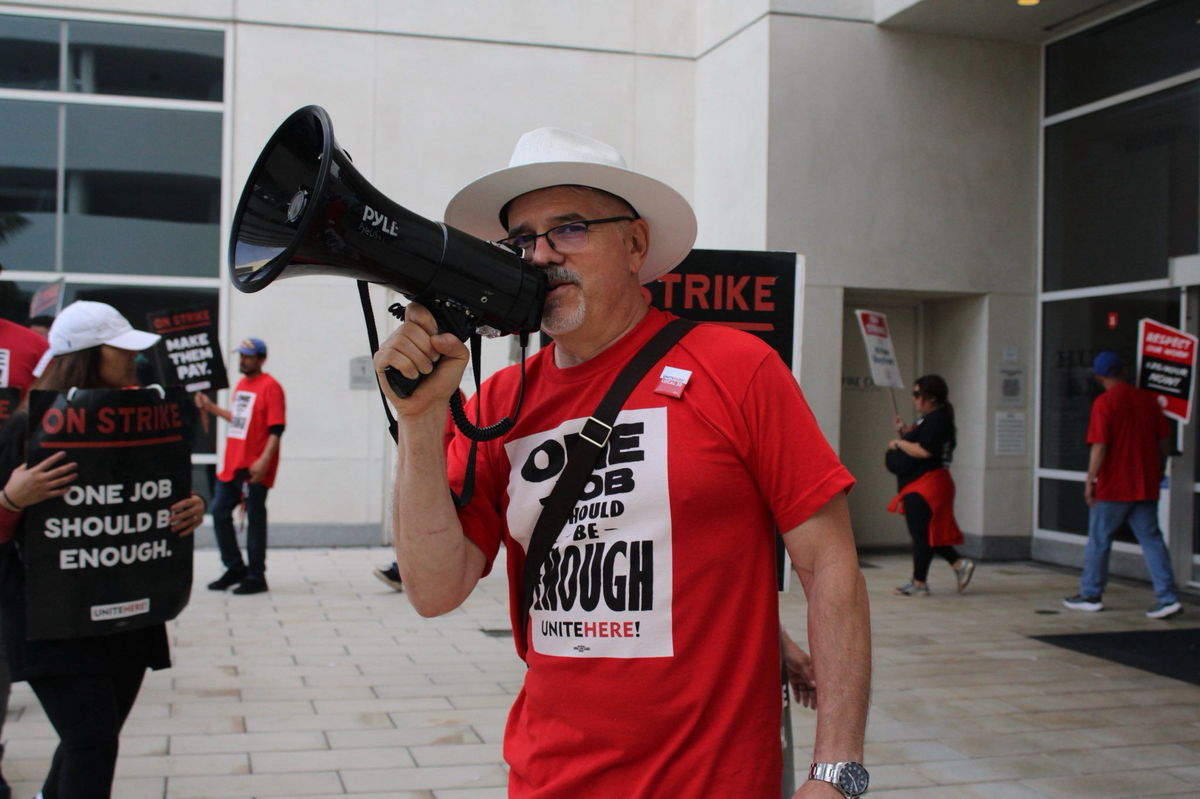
830, 773
825, 772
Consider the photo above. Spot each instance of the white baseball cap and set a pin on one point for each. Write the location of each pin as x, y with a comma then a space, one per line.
84, 324
554, 157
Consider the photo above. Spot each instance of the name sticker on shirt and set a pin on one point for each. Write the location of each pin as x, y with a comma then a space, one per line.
672, 381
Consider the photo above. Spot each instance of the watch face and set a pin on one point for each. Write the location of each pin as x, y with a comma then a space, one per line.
853, 779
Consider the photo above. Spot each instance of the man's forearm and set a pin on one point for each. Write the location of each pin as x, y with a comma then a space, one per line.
839, 633
438, 565
271, 449
1095, 461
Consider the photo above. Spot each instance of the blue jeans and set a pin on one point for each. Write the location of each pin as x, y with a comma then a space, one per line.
226, 497
1103, 520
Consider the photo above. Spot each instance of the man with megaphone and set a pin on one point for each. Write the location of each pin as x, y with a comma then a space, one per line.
649, 622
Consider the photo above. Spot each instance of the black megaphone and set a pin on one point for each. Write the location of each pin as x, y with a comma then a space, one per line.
305, 210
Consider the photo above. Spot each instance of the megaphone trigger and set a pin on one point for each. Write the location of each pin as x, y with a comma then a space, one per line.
450, 319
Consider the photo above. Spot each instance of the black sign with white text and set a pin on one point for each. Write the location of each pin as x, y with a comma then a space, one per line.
103, 558
189, 354
752, 291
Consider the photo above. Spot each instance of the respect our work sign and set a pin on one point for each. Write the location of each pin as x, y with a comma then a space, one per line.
189, 354
103, 558
885, 370
1166, 362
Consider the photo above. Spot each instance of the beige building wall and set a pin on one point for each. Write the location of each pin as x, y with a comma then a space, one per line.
907, 163
889, 160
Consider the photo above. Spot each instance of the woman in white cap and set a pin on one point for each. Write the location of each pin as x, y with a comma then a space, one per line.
86, 686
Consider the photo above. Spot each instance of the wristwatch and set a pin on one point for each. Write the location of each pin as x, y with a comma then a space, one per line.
847, 776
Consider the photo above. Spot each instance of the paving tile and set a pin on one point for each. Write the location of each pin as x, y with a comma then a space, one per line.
331, 760
246, 742
183, 765
459, 777
255, 785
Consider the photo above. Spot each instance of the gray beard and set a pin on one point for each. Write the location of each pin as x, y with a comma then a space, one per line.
555, 320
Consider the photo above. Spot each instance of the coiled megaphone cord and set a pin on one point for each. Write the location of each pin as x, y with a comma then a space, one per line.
458, 400
473, 430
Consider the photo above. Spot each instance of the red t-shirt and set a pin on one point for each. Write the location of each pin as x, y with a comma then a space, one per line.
257, 405
20, 350
654, 650
1130, 422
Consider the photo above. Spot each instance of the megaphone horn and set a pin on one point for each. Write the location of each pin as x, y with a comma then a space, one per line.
305, 210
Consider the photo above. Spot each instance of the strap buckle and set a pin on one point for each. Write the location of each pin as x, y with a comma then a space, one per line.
596, 437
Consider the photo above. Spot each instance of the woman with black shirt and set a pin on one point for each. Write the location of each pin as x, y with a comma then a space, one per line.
925, 489
86, 686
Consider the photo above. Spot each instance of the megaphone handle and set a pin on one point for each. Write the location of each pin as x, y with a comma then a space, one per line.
403, 386
449, 320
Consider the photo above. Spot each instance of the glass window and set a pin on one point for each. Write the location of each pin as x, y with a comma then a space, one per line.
1195, 539
142, 191
145, 61
1122, 191
1147, 45
29, 50
28, 181
1061, 508
14, 299
1073, 331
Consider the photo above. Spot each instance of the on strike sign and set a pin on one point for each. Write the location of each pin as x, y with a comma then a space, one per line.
103, 558
1166, 363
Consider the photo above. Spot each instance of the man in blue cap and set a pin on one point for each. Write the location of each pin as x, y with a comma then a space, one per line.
1129, 440
256, 422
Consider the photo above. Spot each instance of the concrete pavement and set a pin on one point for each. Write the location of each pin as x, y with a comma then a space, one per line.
331, 686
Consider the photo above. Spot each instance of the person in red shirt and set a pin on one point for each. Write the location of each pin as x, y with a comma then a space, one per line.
20, 351
1129, 440
653, 636
256, 422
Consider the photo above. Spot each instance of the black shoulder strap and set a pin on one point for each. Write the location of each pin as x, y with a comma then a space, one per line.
581, 459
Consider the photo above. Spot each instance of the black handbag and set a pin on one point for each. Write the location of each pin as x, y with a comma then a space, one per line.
898, 462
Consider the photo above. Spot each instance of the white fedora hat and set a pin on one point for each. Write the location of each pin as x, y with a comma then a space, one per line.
554, 157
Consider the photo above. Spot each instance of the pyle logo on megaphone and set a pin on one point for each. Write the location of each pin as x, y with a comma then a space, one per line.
372, 218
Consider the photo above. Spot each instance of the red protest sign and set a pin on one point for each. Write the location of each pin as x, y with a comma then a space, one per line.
48, 300
1166, 363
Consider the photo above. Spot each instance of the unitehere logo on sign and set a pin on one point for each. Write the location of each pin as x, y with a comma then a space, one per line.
121, 610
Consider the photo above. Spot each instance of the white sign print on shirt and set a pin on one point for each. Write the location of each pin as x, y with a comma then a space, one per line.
605, 589
240, 413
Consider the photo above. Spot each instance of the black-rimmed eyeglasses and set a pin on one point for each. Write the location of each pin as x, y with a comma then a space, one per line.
565, 238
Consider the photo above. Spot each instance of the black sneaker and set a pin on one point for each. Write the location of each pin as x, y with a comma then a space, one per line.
251, 585
389, 577
1164, 610
1080, 602
230, 577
